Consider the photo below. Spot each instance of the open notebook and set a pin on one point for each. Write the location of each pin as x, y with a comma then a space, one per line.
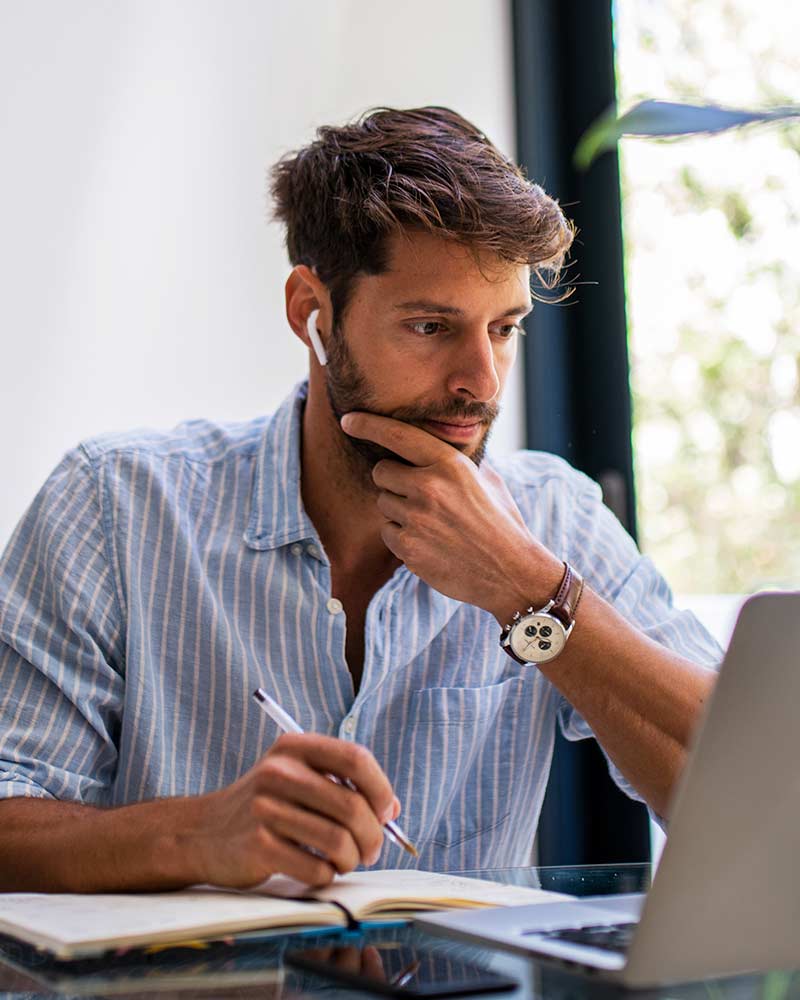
73, 926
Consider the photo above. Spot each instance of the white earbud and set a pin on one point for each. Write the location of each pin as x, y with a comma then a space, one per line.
313, 336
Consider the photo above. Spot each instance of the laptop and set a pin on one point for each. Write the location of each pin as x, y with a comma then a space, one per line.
726, 896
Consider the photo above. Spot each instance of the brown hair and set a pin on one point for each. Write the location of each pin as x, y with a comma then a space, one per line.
423, 168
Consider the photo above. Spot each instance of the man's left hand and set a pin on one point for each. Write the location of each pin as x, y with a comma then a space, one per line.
454, 525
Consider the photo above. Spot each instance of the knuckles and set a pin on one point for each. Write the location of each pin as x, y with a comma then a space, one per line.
276, 771
357, 810
264, 810
358, 758
339, 844
265, 842
291, 741
433, 493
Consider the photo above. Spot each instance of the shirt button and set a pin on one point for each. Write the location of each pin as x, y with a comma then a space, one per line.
312, 550
349, 725
296, 549
334, 605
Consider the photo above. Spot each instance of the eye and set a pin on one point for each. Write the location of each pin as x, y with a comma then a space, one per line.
508, 331
427, 327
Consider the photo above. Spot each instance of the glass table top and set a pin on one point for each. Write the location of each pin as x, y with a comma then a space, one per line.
253, 965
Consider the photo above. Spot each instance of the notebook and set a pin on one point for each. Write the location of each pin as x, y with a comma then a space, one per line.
78, 925
725, 897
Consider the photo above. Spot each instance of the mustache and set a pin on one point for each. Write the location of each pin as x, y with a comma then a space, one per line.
459, 409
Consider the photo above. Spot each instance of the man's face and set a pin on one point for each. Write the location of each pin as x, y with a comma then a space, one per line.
429, 342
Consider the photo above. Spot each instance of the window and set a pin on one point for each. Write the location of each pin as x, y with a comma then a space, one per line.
713, 296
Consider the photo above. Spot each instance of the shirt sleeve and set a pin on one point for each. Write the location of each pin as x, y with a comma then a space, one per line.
607, 557
61, 646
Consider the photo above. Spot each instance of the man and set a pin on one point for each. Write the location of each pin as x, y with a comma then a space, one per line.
353, 555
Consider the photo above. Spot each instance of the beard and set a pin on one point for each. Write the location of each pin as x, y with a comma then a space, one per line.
349, 389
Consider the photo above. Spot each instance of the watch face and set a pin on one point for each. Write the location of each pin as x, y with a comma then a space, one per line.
538, 638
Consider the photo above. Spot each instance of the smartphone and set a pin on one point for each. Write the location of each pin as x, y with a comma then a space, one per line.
398, 969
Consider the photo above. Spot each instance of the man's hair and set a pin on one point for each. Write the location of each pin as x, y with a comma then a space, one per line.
425, 169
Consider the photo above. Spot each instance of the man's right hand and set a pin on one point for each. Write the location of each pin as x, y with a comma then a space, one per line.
235, 837
263, 823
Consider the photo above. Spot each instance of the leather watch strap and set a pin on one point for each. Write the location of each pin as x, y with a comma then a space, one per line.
567, 597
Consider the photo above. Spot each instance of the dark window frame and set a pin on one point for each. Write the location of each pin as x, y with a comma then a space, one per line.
577, 390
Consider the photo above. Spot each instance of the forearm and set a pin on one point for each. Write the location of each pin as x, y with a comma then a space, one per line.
237, 836
642, 701
49, 846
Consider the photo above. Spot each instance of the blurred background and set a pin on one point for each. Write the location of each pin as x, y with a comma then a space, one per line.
713, 278
142, 282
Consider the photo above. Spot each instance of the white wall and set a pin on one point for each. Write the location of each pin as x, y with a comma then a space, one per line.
141, 284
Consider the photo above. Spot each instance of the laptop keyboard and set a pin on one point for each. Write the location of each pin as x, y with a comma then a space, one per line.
608, 937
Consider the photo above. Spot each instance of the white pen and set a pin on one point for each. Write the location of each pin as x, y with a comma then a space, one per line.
288, 725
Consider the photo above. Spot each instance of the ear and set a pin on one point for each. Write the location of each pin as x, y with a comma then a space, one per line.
307, 298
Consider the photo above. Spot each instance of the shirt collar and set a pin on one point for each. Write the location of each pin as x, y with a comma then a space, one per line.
277, 516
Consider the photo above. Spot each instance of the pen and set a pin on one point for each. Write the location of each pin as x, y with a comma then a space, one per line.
288, 725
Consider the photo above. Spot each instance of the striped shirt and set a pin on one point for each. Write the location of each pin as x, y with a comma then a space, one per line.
159, 578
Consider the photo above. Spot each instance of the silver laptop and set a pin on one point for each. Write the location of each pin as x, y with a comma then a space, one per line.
726, 896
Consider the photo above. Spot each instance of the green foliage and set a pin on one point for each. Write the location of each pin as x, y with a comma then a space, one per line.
667, 119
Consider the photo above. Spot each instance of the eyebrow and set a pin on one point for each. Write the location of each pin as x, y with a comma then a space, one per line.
428, 306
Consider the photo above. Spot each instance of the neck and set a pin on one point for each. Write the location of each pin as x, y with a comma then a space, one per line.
339, 499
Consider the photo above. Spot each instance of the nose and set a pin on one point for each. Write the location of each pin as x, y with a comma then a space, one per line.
473, 372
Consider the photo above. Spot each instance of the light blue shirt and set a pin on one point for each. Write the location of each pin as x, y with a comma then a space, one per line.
159, 578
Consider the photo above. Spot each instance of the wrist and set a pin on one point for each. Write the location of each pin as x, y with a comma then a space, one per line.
539, 634
536, 578
186, 842
159, 843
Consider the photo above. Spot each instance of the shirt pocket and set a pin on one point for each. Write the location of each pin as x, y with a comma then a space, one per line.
469, 743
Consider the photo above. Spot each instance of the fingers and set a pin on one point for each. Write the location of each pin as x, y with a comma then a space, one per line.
301, 802
392, 536
328, 755
409, 442
394, 477
305, 828
284, 856
347, 830
287, 815
392, 507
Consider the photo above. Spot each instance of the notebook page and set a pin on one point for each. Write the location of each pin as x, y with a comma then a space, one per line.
73, 924
392, 890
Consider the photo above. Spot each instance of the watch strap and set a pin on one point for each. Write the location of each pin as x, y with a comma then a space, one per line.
568, 596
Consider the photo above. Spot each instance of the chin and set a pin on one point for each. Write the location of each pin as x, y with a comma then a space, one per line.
478, 452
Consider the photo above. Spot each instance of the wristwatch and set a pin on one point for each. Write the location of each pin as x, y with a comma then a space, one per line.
534, 637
